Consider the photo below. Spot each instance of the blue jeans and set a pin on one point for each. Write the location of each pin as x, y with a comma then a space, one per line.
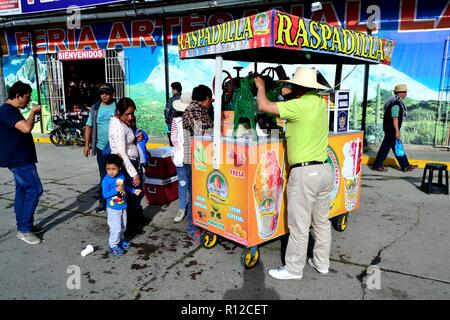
182, 187
28, 191
190, 227
102, 171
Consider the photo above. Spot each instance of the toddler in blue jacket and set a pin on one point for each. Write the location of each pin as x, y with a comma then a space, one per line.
114, 192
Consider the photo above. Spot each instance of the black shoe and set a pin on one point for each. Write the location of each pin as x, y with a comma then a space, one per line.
100, 209
410, 167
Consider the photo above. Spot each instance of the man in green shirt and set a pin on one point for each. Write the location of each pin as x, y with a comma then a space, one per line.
310, 178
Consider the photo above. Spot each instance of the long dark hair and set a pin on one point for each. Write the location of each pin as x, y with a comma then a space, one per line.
123, 104
177, 114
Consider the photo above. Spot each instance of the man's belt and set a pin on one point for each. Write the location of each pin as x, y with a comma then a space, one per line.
304, 164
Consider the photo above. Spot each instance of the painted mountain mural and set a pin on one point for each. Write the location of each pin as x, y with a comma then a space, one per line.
419, 127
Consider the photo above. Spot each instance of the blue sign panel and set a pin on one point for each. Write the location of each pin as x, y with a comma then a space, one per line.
10, 7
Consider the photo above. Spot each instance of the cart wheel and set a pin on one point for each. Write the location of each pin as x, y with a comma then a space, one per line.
209, 239
340, 222
250, 257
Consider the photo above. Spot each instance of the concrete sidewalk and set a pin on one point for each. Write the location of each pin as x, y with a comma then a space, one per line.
397, 228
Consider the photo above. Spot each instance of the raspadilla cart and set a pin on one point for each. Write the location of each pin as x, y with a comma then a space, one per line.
239, 182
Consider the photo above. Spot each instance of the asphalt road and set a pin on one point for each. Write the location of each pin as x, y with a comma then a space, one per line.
399, 229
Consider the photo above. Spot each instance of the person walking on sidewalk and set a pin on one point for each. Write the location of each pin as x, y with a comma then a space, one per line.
19, 156
310, 178
96, 133
394, 113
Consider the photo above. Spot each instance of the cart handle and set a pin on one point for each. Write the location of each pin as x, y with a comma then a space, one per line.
152, 164
151, 191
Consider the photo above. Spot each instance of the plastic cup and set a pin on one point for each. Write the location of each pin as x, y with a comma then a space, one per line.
267, 205
351, 191
89, 249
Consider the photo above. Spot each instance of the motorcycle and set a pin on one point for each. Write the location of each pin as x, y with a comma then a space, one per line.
67, 131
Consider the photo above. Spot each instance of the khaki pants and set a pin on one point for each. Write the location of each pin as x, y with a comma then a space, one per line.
308, 198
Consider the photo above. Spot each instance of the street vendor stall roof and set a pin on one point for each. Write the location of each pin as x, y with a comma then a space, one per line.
259, 38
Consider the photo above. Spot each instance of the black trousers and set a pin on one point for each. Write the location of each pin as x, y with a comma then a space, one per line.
135, 213
389, 144
170, 141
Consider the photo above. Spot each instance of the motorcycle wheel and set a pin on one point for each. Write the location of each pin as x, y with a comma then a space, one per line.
80, 134
57, 138
79, 139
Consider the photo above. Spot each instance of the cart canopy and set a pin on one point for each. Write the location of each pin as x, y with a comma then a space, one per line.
277, 37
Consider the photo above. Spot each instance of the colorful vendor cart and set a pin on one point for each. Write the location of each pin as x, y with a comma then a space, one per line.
239, 181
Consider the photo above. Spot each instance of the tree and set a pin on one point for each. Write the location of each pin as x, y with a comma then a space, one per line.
355, 105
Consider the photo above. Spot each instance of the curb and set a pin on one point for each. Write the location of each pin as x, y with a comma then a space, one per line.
42, 140
391, 162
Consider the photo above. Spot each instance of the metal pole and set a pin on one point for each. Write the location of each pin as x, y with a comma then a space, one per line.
441, 97
2, 78
366, 87
217, 146
38, 89
338, 77
166, 57
364, 103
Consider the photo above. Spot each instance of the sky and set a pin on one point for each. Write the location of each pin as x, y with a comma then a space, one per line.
419, 55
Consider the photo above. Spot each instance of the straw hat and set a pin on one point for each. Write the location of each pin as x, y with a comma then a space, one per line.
401, 88
305, 77
182, 103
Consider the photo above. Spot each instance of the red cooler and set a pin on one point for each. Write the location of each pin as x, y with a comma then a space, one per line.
160, 164
159, 191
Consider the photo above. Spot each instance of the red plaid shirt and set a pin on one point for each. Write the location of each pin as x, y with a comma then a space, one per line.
196, 121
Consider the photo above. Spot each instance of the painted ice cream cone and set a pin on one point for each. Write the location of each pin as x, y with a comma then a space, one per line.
351, 171
268, 192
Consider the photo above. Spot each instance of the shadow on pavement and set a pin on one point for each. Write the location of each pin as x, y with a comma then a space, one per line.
152, 210
83, 202
254, 287
415, 181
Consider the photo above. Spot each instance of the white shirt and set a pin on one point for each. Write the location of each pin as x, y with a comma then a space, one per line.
122, 142
176, 136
